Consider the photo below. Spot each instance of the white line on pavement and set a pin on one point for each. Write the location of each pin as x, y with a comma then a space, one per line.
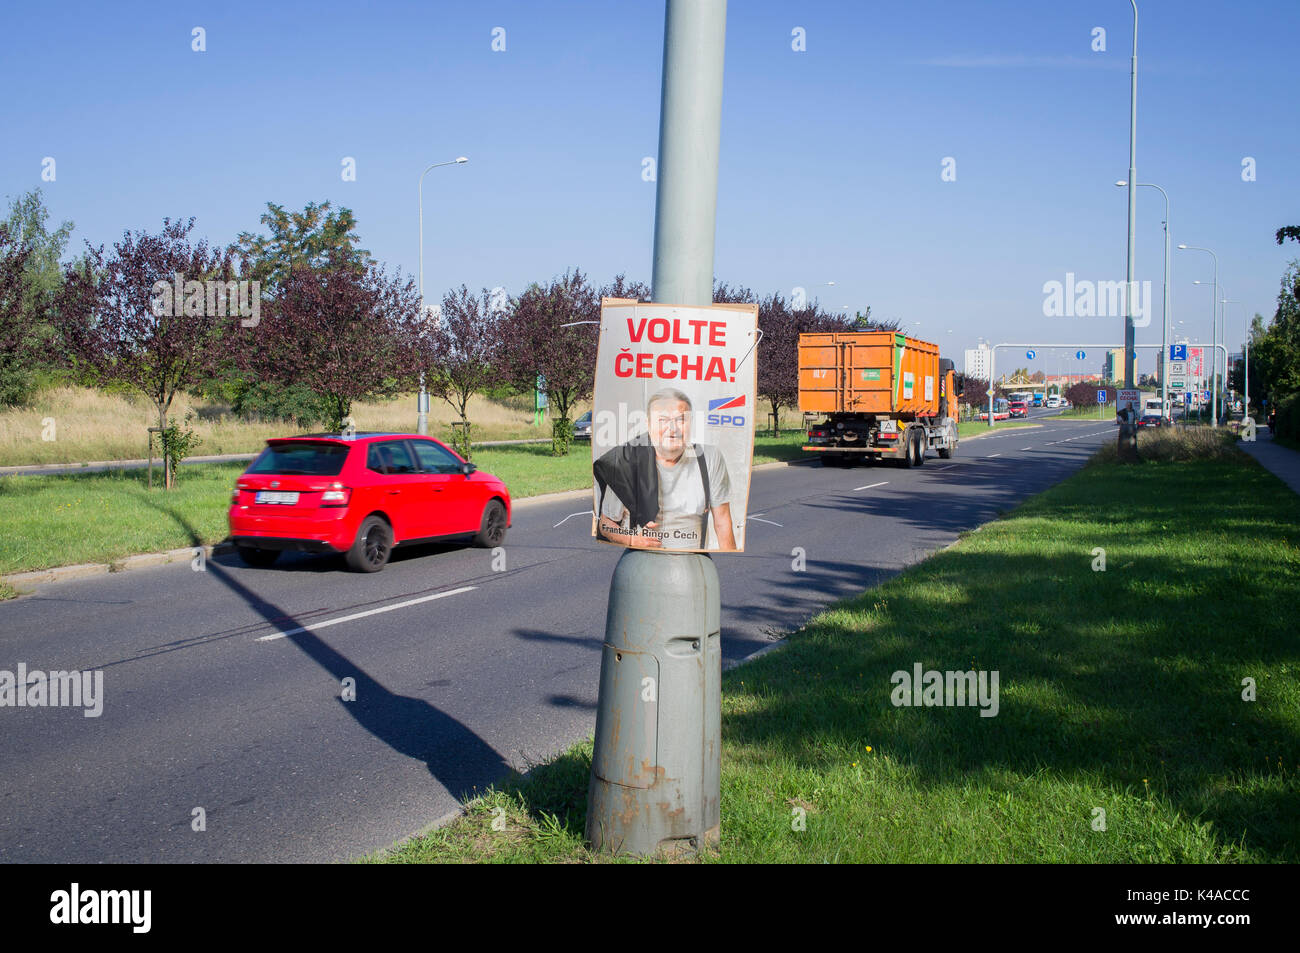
941, 469
870, 486
571, 516
992, 455
755, 516
369, 612
1026, 448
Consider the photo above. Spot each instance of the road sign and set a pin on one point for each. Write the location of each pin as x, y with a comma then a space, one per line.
1030, 354
1080, 355
1177, 368
1101, 397
1205, 395
1178, 352
1177, 385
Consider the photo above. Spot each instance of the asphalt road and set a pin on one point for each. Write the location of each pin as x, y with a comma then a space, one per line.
222, 686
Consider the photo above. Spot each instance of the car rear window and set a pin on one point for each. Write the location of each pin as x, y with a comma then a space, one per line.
301, 457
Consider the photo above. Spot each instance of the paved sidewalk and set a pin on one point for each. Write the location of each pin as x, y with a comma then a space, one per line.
1283, 462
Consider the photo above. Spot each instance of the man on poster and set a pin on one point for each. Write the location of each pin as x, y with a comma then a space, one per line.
660, 490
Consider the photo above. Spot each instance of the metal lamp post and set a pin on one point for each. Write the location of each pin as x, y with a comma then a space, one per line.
1164, 326
422, 402
1214, 329
664, 607
1128, 428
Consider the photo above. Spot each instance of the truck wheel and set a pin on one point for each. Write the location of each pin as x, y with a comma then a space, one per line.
945, 453
920, 448
909, 455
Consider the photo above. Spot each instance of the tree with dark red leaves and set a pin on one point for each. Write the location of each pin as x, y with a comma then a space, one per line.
460, 352
113, 321
1084, 394
343, 332
535, 344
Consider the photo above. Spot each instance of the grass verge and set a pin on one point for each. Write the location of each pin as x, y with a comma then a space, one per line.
1122, 735
973, 428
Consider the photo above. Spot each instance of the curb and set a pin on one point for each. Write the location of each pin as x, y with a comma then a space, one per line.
125, 564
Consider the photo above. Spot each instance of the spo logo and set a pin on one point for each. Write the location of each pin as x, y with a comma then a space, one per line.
726, 403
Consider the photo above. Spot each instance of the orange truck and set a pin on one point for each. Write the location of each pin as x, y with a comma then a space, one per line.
880, 396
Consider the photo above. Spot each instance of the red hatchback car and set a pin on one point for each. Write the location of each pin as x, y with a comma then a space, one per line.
361, 495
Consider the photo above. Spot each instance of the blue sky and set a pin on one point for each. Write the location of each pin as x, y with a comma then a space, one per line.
831, 157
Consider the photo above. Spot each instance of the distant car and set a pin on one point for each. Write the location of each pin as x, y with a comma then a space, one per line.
1018, 408
1151, 420
361, 495
1054, 401
582, 427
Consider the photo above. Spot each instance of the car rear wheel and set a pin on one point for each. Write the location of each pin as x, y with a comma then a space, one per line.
372, 547
258, 557
492, 528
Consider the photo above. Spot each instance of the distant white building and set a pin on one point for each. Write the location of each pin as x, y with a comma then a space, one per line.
977, 363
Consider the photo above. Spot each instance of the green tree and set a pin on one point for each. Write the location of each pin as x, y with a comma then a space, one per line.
315, 238
32, 252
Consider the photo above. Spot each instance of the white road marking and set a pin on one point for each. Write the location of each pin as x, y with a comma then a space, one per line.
369, 612
1026, 448
571, 516
992, 455
870, 486
755, 516
941, 469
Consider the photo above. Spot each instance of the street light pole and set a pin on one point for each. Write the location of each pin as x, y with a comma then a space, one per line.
1214, 333
1164, 328
1132, 204
1126, 443
665, 605
422, 402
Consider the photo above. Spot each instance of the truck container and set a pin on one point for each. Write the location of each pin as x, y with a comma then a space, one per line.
880, 395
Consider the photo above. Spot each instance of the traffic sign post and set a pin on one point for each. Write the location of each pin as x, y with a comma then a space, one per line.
1101, 405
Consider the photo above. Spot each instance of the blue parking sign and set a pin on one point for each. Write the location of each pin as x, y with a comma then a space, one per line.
1178, 352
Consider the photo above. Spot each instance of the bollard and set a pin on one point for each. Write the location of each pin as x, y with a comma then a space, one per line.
655, 771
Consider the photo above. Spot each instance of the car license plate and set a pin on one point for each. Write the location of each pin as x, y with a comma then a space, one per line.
272, 496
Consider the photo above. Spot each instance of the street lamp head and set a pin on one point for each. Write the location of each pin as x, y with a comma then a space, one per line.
461, 160
1182, 246
1121, 183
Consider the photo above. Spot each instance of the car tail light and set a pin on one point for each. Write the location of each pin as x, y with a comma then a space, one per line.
336, 495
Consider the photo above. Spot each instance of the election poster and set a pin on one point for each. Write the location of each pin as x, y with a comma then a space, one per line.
672, 436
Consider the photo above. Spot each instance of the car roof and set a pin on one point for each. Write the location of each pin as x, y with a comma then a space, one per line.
360, 436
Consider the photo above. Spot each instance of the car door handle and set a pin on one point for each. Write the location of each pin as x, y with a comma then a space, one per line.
394, 492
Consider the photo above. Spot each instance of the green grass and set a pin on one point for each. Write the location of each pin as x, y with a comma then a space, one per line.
1120, 690
972, 428
1088, 413
64, 520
